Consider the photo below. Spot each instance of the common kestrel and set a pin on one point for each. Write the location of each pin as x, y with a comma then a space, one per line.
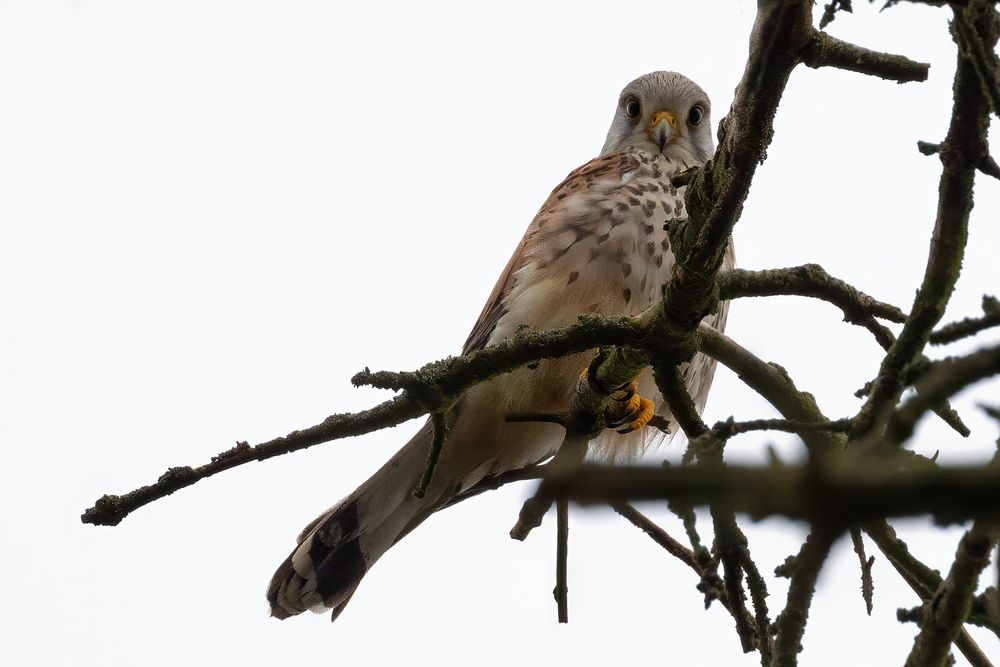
597, 245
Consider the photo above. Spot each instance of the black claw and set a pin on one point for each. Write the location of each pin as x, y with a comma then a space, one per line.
627, 419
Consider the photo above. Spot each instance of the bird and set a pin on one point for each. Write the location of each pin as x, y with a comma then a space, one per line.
597, 245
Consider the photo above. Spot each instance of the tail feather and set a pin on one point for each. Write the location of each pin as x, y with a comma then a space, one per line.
336, 550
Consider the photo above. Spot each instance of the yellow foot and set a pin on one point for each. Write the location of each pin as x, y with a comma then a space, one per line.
628, 409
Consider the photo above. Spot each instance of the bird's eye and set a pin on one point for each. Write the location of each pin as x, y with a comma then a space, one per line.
633, 108
695, 115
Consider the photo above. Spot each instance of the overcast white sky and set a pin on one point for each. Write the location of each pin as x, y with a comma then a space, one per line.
213, 213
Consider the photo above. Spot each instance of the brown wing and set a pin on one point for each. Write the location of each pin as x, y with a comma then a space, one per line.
612, 165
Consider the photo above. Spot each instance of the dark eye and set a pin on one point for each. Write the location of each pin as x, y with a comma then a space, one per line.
633, 108
695, 115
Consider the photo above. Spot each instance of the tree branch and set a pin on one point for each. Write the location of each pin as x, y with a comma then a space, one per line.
561, 591
842, 494
951, 604
791, 623
961, 153
809, 280
827, 51
867, 586
969, 326
439, 382
944, 379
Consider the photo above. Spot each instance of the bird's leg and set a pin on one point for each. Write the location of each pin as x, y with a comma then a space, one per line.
628, 409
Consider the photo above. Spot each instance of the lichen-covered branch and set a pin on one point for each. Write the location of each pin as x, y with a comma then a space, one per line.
951, 604
977, 44
773, 383
791, 623
969, 326
944, 379
865, 562
438, 383
426, 390
960, 153
987, 165
923, 580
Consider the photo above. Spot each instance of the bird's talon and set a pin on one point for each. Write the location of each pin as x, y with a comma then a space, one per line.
630, 410
640, 417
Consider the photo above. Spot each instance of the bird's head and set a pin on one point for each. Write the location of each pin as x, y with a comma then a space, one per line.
663, 112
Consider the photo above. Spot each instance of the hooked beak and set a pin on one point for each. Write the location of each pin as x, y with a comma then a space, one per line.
663, 129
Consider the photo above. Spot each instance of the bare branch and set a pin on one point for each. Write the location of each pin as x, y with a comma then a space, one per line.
433, 454
970, 326
867, 585
844, 494
826, 51
923, 580
952, 603
660, 536
809, 280
971, 41
791, 623
758, 596
439, 383
987, 165
561, 591
944, 379
713, 588
830, 11
773, 383
730, 542
961, 153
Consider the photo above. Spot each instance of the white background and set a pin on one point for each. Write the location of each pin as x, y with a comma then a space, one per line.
213, 213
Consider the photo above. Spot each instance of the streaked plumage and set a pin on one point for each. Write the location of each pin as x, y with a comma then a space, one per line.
597, 245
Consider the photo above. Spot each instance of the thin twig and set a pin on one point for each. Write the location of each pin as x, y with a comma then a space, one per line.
987, 165
659, 535
433, 454
561, 591
970, 326
830, 11
944, 379
711, 585
866, 562
758, 596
